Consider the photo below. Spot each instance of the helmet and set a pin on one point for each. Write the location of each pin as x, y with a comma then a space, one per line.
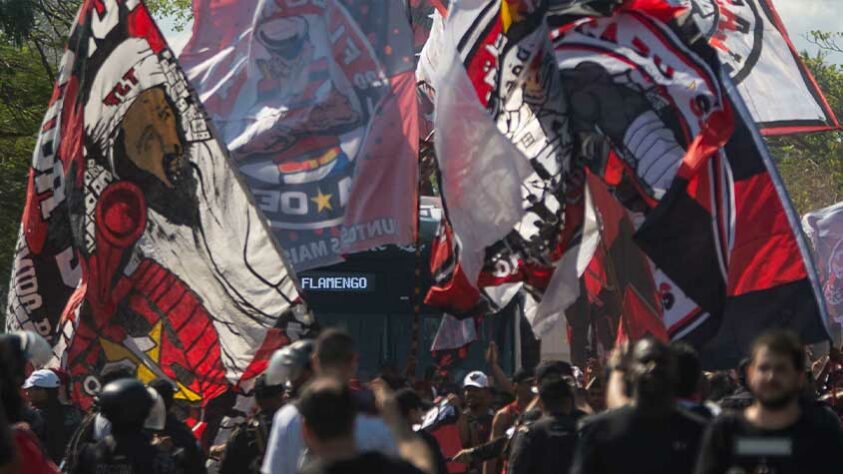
29, 346
288, 362
125, 403
157, 418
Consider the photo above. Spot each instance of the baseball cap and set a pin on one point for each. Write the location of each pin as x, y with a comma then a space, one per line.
523, 374
476, 379
43, 378
555, 388
551, 367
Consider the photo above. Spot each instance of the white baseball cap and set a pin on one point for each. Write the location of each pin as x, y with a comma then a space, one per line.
476, 379
43, 378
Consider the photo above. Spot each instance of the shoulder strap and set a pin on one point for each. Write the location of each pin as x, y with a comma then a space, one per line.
260, 436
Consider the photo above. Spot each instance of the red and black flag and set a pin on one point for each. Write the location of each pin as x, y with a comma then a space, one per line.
655, 115
715, 220
139, 245
618, 295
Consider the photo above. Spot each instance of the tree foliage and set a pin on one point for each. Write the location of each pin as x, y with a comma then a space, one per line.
25, 90
178, 10
812, 165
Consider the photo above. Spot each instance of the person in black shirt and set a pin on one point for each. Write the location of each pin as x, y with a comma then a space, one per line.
777, 434
328, 411
189, 457
689, 379
246, 447
412, 413
547, 445
649, 436
60, 421
128, 449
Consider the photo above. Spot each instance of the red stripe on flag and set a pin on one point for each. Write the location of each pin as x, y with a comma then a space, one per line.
765, 252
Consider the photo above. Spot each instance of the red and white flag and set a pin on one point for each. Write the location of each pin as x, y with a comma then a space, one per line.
752, 43
139, 245
824, 229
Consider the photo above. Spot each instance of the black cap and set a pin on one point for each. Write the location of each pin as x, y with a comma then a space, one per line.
523, 374
557, 367
555, 388
166, 389
263, 391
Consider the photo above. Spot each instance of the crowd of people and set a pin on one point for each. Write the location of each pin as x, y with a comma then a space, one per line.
649, 409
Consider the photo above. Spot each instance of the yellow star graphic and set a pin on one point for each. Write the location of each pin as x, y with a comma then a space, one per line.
323, 201
146, 370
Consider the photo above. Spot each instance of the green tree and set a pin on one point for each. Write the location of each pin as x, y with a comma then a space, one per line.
812, 165
25, 91
178, 10
32, 38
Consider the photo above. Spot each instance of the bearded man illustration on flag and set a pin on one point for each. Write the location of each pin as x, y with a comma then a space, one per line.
180, 278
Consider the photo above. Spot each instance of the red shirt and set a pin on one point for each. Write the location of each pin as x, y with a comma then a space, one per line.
30, 456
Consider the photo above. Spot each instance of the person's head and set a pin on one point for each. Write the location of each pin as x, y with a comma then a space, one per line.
524, 379
328, 411
410, 405
550, 376
595, 393
16, 350
166, 390
556, 395
115, 372
776, 372
651, 371
335, 355
689, 370
558, 367
476, 392
290, 366
269, 398
42, 388
126, 403
393, 380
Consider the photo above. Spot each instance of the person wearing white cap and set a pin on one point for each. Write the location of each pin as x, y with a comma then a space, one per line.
19, 447
475, 423
42, 392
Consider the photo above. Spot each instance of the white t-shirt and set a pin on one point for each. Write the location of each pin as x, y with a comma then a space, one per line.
285, 451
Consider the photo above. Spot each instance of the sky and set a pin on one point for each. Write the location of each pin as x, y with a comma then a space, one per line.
799, 17
802, 16
176, 39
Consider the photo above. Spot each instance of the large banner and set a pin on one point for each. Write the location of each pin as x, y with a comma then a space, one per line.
752, 43
139, 245
653, 114
824, 229
717, 223
317, 103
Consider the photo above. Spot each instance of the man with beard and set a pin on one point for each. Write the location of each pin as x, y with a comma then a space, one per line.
335, 357
649, 436
475, 423
776, 434
42, 391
